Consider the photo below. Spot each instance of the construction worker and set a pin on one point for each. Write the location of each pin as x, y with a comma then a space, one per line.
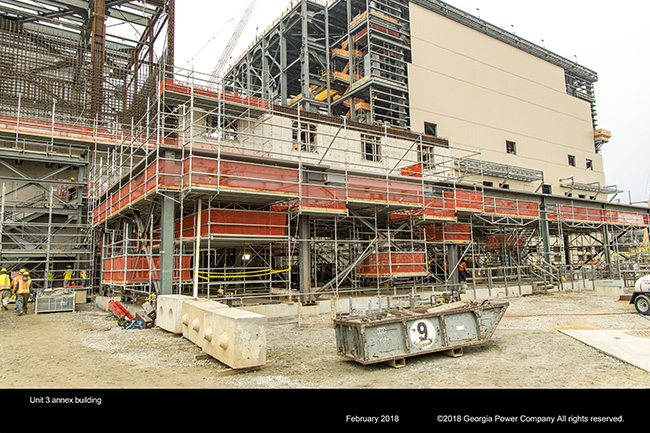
72, 190
22, 290
50, 277
462, 271
84, 275
14, 282
5, 288
67, 277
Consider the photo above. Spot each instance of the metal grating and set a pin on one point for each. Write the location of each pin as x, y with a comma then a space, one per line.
54, 303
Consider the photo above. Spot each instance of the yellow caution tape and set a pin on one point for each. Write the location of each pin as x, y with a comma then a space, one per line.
246, 274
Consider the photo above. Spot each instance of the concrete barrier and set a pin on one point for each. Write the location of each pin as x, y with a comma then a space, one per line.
235, 337
193, 317
169, 312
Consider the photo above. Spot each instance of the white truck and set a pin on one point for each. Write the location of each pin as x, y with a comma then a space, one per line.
641, 295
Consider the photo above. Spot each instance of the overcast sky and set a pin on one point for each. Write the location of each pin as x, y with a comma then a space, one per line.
608, 37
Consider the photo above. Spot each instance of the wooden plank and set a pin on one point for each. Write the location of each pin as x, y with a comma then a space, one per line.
229, 371
447, 307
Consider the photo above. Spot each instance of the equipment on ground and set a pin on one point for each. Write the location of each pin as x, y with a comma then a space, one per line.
641, 295
54, 301
122, 314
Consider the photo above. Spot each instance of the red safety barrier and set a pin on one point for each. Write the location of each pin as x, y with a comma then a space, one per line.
67, 131
434, 209
383, 191
165, 174
234, 222
393, 264
445, 232
321, 198
240, 176
118, 310
507, 207
470, 201
138, 269
249, 101
597, 216
505, 241
414, 170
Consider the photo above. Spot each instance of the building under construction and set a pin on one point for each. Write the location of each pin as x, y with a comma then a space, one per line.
356, 146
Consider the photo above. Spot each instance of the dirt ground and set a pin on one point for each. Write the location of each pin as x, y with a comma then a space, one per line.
88, 351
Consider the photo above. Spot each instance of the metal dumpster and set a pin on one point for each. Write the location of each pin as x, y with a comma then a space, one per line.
394, 335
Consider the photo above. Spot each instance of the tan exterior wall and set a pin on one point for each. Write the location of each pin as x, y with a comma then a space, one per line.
481, 92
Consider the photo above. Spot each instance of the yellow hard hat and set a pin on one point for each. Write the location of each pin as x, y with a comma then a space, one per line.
25, 274
72, 179
23, 270
3, 270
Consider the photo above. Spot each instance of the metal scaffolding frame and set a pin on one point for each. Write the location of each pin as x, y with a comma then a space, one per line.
261, 187
354, 63
73, 73
216, 150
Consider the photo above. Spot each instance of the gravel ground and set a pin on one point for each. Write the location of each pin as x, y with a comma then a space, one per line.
87, 351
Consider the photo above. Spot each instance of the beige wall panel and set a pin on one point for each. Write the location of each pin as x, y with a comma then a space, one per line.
484, 108
481, 92
455, 37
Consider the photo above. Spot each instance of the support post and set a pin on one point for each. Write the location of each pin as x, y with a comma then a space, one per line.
546, 238
304, 56
452, 264
197, 250
97, 56
606, 252
166, 243
305, 258
171, 24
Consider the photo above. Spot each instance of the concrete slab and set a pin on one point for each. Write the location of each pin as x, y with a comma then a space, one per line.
631, 346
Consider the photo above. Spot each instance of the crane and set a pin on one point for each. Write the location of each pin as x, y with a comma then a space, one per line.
232, 42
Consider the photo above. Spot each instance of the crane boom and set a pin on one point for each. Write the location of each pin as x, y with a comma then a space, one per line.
232, 42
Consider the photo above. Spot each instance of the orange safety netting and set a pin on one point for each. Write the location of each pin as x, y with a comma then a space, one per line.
507, 207
445, 232
137, 269
240, 176
238, 98
232, 222
322, 198
393, 264
383, 191
466, 200
594, 215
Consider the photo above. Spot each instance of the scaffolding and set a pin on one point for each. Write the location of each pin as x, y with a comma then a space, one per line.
358, 69
260, 192
252, 188
72, 76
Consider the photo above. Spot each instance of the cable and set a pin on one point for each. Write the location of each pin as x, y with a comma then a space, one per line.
208, 42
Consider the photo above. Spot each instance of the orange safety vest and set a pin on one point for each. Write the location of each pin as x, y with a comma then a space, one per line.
5, 282
23, 286
462, 266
